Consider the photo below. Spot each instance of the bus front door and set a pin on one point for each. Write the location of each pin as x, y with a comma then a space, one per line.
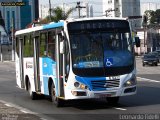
36, 64
60, 60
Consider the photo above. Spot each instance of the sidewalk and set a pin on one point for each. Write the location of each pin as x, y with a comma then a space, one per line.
10, 112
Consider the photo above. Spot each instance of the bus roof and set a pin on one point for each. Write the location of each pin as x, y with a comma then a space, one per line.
61, 24
38, 28
95, 18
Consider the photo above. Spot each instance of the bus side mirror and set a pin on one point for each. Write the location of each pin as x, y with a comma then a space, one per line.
137, 41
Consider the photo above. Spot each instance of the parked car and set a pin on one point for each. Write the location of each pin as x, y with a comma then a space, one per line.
149, 59
156, 53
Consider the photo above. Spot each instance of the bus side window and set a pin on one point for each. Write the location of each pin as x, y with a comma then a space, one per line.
51, 44
28, 46
43, 44
17, 46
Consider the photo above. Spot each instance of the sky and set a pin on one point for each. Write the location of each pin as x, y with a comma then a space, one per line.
97, 4
150, 0
70, 1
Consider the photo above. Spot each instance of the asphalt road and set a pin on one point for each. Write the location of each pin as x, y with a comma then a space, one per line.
145, 105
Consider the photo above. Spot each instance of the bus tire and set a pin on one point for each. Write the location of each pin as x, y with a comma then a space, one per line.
32, 94
57, 101
112, 100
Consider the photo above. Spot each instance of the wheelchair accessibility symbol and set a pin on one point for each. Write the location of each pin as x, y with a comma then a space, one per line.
109, 62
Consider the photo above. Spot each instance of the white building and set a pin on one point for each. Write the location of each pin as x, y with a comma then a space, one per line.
123, 8
88, 11
84, 12
43, 11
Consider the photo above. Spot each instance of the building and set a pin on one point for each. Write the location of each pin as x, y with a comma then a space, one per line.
18, 13
85, 11
123, 8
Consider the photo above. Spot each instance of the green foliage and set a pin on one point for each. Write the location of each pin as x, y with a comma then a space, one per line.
153, 18
57, 14
157, 16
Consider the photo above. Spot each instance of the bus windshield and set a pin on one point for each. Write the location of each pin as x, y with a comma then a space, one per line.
106, 46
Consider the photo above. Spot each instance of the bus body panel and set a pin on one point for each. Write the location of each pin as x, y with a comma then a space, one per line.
101, 91
29, 71
96, 86
17, 64
48, 71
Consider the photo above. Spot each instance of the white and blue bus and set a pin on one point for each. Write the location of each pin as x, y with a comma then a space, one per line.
77, 59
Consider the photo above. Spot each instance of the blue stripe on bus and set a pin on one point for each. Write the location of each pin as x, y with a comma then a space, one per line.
48, 70
53, 25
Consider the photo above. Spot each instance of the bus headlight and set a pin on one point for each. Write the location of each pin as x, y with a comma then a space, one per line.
131, 82
76, 84
80, 85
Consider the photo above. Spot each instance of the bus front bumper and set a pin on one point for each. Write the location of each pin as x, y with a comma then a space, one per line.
86, 94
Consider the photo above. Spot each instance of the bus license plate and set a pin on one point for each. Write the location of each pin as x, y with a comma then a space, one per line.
106, 95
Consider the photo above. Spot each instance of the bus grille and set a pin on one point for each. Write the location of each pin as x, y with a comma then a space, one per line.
103, 84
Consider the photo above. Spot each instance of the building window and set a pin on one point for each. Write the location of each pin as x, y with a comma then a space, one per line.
109, 1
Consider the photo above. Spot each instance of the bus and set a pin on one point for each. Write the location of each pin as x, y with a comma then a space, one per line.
77, 59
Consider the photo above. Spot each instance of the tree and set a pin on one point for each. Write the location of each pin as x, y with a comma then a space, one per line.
153, 18
150, 17
157, 16
57, 14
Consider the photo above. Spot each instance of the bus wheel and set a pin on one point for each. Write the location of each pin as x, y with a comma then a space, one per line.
32, 94
112, 100
58, 102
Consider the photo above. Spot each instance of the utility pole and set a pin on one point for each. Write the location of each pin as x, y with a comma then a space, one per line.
12, 42
145, 19
50, 10
1, 48
79, 8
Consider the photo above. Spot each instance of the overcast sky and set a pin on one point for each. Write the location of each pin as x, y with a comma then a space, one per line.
70, 1
97, 4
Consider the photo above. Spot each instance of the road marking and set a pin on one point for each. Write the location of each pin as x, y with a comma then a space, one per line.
19, 87
8, 105
43, 119
148, 80
17, 107
24, 111
120, 108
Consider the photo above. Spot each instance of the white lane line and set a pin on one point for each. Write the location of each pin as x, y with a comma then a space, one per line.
24, 111
19, 87
18, 107
43, 119
148, 80
120, 109
8, 105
